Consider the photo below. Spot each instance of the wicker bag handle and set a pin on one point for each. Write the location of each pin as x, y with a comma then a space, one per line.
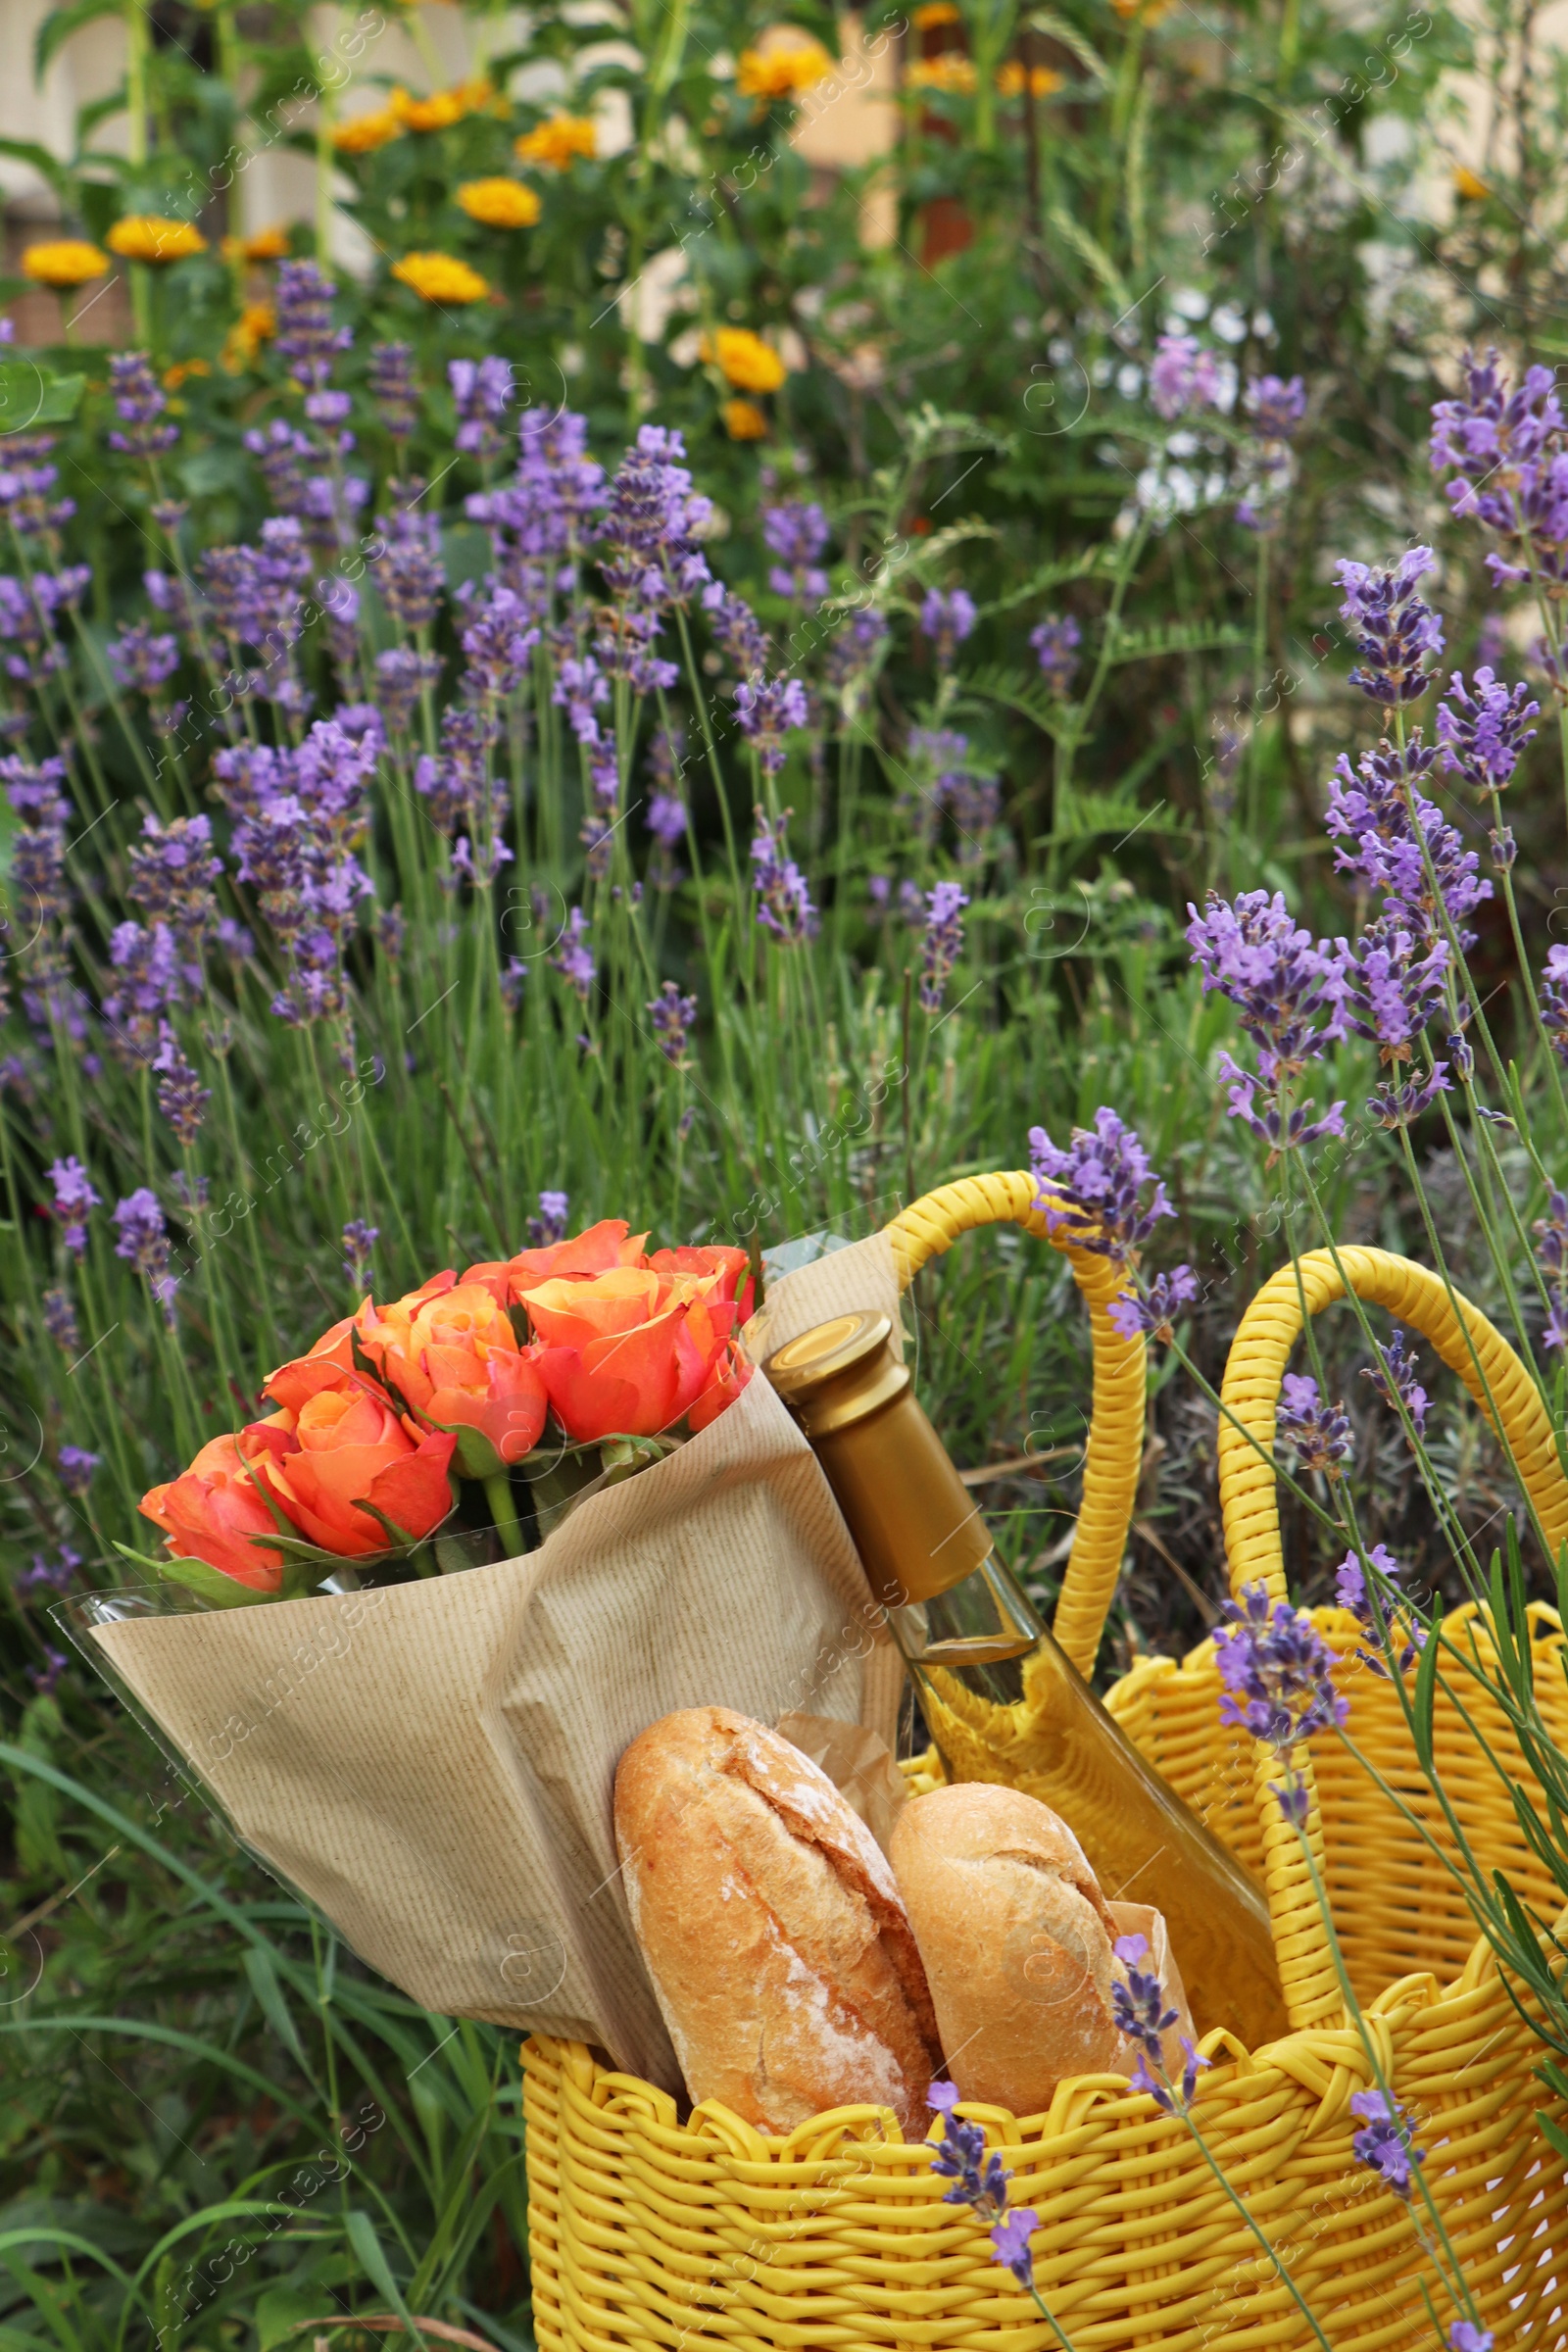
1254, 1372
1115, 1449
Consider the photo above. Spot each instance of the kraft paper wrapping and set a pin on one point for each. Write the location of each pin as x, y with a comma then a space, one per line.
432, 1764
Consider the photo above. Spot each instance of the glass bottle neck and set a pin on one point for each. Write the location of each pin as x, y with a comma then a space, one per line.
980, 1621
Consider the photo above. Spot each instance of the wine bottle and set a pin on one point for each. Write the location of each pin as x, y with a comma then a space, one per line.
1000, 1698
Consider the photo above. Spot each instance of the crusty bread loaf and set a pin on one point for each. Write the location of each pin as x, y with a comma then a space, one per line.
1016, 1941
771, 1927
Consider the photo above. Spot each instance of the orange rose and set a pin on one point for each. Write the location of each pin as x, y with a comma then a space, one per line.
338, 1442
210, 1512
629, 1352
605, 1245
732, 1265
452, 1354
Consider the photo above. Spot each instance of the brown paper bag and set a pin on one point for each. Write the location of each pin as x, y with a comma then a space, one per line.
432, 1764
859, 1763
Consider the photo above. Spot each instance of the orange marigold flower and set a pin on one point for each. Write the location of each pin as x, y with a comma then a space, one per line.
257, 321
553, 146
361, 135
926, 19
149, 237
744, 360
498, 203
1044, 80
182, 370
952, 73
744, 420
266, 244
442, 108
64, 262
792, 63
440, 278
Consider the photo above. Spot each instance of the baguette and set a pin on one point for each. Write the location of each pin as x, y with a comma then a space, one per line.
1017, 1940
772, 1926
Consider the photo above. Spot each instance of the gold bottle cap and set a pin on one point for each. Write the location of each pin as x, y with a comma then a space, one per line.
914, 1522
837, 1372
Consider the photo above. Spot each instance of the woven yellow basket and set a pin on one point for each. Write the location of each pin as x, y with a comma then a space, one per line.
645, 2230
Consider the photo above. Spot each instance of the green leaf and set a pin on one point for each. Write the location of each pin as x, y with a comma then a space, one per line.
27, 151
220, 1591
1047, 20
279, 2312
1088, 249
269, 1992
362, 2236
1154, 645
1553, 2133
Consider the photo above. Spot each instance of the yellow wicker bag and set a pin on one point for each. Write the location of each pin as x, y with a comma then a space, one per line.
645, 2230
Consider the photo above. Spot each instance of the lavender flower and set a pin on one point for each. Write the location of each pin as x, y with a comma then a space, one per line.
1390, 834
74, 1199
402, 676
412, 572
1010, 2240
76, 1467
1554, 1000
783, 896
979, 2181
1056, 641
1182, 378
1506, 449
142, 660
948, 620
1465, 2337
853, 651
1278, 1675
550, 1225
1482, 733
181, 1097
45, 1679
796, 533
285, 457
1392, 990
766, 709
60, 1321
1351, 1593
1393, 1377
306, 336
359, 1240
573, 958
1154, 1313
943, 943
498, 641
1290, 993
1396, 630
1140, 2014
648, 538
1552, 1233
139, 402
144, 1243
1320, 1433
1277, 406
1386, 2143
171, 873
395, 388
50, 1576
672, 1015
1095, 1189
481, 390
736, 632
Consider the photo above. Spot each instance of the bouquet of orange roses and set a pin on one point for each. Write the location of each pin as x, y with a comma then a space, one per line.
398, 1437
501, 1526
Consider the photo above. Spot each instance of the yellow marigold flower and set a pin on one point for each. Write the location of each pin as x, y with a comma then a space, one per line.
256, 323
553, 146
148, 237
1044, 80
744, 420
952, 73
64, 262
498, 203
440, 278
361, 135
934, 13
442, 108
782, 69
744, 360
1465, 183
